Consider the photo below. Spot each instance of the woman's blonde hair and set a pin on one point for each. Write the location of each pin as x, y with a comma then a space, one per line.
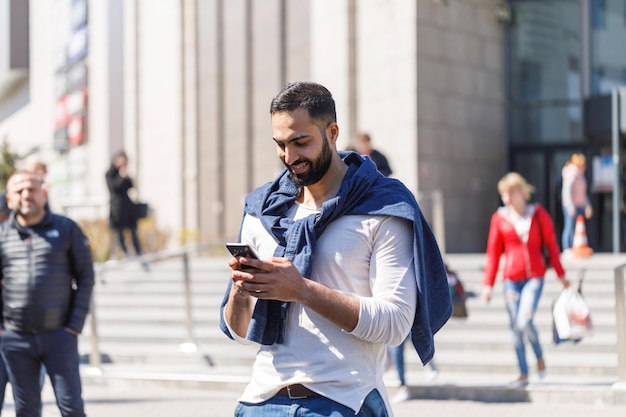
513, 180
578, 159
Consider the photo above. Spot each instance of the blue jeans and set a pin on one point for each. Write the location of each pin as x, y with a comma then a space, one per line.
522, 299
24, 354
398, 360
283, 406
569, 225
4, 380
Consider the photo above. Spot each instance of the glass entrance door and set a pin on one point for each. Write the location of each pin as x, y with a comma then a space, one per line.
542, 168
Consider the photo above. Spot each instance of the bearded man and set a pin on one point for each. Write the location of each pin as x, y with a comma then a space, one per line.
347, 266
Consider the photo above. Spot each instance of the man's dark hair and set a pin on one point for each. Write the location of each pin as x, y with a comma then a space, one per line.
313, 97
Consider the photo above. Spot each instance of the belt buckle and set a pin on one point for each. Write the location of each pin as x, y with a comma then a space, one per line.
293, 397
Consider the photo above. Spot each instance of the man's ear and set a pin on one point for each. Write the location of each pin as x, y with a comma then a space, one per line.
332, 132
10, 203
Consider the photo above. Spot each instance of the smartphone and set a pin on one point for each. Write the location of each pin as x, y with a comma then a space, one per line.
242, 249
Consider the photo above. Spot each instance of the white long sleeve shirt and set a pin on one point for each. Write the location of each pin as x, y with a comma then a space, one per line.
367, 256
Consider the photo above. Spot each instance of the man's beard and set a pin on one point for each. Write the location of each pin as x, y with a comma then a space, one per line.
27, 211
317, 168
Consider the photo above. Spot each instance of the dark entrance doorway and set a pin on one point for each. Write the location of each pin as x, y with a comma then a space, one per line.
541, 166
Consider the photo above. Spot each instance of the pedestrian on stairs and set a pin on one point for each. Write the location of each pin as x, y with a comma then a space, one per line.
574, 197
364, 147
122, 210
520, 230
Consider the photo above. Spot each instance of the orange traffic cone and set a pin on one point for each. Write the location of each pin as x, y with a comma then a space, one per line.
580, 247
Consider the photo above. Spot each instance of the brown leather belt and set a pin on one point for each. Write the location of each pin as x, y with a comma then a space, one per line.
297, 391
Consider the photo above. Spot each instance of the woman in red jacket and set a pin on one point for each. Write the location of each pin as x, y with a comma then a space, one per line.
520, 230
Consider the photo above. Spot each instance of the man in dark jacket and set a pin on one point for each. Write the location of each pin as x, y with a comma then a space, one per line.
47, 280
364, 147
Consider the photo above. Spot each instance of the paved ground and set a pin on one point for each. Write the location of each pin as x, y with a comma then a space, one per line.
124, 399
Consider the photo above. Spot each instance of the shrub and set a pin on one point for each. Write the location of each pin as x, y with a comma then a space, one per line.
101, 238
7, 163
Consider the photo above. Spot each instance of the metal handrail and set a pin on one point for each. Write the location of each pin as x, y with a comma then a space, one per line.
97, 205
95, 358
620, 315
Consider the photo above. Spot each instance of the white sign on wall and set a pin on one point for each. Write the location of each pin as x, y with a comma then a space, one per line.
603, 174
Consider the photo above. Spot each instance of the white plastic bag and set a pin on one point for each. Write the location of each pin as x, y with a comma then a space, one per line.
572, 317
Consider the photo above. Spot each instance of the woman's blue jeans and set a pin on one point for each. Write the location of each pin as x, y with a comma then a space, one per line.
569, 225
283, 406
522, 298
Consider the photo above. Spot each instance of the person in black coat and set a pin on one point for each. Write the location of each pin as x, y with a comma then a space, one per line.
364, 147
123, 211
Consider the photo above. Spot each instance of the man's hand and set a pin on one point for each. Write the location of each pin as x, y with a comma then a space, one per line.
71, 331
279, 279
276, 279
252, 279
240, 305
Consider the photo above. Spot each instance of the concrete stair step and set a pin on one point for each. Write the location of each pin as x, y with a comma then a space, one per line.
491, 341
566, 363
495, 340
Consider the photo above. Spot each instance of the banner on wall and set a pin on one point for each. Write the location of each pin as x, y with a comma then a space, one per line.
71, 77
602, 174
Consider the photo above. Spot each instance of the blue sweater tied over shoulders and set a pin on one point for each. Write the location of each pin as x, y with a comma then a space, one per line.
364, 191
